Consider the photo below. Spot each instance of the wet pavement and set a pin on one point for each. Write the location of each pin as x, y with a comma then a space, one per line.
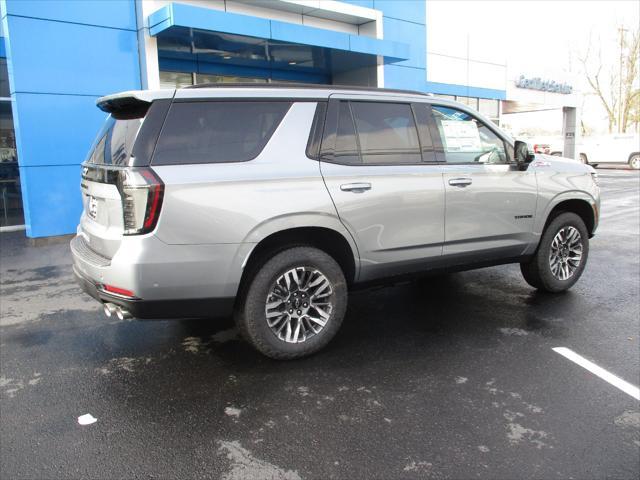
449, 377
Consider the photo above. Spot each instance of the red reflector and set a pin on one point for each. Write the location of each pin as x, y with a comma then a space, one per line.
117, 290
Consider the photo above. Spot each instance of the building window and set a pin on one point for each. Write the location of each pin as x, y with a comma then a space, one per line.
490, 108
447, 97
4, 78
175, 79
10, 194
182, 79
468, 101
207, 78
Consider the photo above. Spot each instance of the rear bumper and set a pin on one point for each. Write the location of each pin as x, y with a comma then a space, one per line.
160, 309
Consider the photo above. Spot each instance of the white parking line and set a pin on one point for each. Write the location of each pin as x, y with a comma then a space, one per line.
617, 382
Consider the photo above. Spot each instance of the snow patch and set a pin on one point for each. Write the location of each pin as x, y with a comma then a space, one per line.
233, 412
518, 332
245, 466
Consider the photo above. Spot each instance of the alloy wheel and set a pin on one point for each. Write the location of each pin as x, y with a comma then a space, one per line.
566, 253
299, 304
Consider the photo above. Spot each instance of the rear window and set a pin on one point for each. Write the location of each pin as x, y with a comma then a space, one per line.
217, 131
114, 142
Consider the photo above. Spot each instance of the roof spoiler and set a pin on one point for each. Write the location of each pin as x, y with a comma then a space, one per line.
131, 104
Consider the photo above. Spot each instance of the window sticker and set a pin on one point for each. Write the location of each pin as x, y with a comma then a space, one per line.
461, 136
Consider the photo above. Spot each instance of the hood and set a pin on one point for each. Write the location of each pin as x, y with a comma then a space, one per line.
561, 163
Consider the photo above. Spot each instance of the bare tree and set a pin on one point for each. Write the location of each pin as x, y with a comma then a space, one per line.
615, 85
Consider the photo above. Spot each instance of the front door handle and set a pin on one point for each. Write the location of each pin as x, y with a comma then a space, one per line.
355, 187
460, 182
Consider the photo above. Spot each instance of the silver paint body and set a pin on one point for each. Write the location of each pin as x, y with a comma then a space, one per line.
411, 218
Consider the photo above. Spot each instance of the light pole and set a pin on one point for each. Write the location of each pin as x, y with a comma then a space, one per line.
620, 126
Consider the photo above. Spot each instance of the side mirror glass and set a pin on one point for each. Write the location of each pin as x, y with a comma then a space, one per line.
522, 153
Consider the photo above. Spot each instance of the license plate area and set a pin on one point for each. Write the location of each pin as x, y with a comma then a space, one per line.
92, 207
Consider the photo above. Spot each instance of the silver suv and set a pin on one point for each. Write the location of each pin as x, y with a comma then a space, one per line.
270, 203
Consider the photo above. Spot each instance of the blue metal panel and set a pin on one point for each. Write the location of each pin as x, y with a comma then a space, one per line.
409, 10
55, 129
111, 13
290, 32
360, 3
410, 78
51, 199
390, 50
466, 91
49, 57
57, 65
176, 14
3, 49
177, 65
409, 33
396, 76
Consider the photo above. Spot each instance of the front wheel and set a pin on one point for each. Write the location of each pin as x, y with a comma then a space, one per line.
561, 256
634, 162
583, 159
294, 304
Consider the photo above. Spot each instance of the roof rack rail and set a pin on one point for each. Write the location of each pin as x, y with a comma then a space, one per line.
306, 86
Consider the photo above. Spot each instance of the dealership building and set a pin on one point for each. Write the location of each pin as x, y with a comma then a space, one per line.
59, 56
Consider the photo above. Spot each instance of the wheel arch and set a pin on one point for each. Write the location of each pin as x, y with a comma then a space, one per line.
326, 239
580, 206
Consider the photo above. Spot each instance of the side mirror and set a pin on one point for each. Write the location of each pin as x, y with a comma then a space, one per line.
522, 154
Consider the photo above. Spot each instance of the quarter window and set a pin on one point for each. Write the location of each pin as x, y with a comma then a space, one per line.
217, 131
465, 139
346, 150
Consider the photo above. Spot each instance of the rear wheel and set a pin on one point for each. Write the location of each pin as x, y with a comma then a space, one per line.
294, 304
634, 162
583, 159
561, 256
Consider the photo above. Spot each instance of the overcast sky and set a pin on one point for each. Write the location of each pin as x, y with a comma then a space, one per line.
544, 36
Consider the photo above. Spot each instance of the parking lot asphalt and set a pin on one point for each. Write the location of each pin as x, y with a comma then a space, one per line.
453, 376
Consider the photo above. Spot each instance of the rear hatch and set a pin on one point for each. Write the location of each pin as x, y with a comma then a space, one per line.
121, 195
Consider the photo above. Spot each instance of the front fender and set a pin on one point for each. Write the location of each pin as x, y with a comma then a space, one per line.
543, 215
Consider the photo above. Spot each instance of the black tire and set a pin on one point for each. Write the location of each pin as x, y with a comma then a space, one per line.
583, 159
634, 161
537, 271
251, 317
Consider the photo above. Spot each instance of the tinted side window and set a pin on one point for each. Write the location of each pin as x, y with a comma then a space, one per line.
217, 131
315, 135
386, 132
346, 150
465, 139
424, 117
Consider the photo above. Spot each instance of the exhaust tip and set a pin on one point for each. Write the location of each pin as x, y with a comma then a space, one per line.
109, 309
122, 314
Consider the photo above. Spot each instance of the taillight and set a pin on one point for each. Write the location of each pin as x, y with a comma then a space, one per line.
141, 192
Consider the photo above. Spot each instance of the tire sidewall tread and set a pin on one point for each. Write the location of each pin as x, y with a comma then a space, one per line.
250, 316
537, 272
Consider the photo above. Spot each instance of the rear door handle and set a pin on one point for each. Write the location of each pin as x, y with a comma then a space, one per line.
460, 182
355, 187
